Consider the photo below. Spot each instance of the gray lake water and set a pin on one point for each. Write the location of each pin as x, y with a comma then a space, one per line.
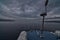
11, 30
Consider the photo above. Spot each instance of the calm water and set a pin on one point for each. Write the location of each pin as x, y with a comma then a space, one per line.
11, 30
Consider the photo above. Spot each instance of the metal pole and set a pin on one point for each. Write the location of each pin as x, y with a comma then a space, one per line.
42, 29
44, 14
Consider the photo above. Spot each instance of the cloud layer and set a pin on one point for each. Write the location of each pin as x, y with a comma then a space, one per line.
28, 8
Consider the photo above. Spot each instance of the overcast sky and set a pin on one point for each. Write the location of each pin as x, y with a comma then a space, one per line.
28, 8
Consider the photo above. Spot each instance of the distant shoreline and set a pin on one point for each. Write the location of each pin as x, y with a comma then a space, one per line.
5, 20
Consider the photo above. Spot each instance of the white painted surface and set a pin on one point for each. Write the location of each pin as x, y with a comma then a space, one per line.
22, 36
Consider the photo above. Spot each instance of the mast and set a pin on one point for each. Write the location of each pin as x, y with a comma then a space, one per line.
43, 15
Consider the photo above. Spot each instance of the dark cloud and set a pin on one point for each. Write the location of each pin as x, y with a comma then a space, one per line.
28, 8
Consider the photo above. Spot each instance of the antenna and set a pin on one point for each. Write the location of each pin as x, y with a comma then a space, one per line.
43, 15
